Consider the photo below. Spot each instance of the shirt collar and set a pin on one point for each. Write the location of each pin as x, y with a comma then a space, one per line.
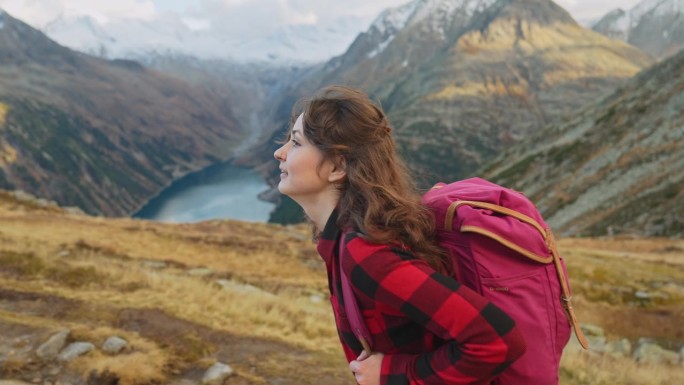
328, 240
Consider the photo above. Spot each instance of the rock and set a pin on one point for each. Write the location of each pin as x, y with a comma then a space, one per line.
53, 345
238, 287
23, 196
73, 210
114, 345
648, 352
13, 382
75, 350
651, 296
597, 344
217, 374
316, 298
619, 348
592, 330
42, 202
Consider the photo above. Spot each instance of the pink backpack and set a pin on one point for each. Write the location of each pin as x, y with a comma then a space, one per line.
502, 249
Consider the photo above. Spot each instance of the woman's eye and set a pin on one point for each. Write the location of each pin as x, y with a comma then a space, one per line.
294, 142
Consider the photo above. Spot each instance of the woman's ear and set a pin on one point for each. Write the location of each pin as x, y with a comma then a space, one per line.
339, 171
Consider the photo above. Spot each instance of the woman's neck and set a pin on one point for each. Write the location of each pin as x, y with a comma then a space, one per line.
319, 215
318, 210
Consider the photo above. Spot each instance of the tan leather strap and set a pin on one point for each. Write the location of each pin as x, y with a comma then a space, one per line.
566, 297
451, 211
507, 243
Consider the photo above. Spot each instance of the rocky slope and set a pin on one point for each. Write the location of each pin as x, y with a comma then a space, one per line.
616, 167
463, 79
101, 135
655, 26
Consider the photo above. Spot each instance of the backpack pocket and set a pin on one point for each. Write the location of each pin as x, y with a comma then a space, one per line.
526, 299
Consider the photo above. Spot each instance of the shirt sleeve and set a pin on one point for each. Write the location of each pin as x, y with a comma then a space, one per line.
482, 339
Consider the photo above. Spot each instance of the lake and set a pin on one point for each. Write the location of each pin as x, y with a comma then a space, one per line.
222, 191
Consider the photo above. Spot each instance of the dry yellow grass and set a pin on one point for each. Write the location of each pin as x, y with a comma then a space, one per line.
586, 368
271, 316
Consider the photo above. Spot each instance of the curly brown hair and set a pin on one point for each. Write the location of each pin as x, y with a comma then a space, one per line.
378, 198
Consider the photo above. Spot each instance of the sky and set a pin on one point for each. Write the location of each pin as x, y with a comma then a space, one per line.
243, 15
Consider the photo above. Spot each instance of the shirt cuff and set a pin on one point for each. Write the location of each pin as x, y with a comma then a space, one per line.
395, 369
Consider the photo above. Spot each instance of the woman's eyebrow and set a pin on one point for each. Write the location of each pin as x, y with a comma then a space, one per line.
295, 132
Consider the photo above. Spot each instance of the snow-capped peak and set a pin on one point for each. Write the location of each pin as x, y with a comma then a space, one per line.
394, 19
658, 7
435, 14
648, 25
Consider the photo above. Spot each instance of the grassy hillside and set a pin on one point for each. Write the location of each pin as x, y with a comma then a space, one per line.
254, 296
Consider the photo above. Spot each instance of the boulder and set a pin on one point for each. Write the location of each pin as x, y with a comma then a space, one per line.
648, 352
114, 345
217, 374
619, 348
75, 350
597, 344
53, 345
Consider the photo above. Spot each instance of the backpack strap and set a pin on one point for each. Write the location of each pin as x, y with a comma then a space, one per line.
566, 297
351, 308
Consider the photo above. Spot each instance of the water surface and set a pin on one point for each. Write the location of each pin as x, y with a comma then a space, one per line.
222, 191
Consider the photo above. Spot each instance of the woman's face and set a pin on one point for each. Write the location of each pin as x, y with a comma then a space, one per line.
304, 174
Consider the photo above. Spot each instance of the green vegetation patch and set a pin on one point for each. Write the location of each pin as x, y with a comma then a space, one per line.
516, 170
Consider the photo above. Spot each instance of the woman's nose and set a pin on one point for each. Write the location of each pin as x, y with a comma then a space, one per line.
279, 153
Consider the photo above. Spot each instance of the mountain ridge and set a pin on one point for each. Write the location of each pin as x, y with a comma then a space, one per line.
656, 26
101, 135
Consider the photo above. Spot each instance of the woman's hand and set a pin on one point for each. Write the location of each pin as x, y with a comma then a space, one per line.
366, 368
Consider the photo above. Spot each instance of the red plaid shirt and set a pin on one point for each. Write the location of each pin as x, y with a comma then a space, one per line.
432, 329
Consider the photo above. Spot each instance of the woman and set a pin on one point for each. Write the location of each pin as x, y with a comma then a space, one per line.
340, 164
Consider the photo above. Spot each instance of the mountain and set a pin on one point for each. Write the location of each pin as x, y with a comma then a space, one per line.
655, 26
247, 88
617, 167
300, 44
98, 134
461, 80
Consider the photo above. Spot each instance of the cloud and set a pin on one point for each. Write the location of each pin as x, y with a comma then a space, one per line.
247, 18
583, 10
40, 12
250, 18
